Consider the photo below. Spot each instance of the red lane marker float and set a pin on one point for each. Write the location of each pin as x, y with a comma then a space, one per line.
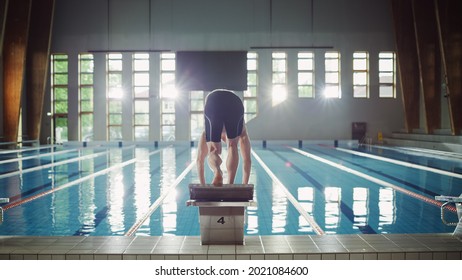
374, 180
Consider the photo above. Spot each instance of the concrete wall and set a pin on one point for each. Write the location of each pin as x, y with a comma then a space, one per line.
174, 25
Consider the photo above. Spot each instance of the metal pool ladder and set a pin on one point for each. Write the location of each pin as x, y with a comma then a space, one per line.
221, 211
458, 202
2, 200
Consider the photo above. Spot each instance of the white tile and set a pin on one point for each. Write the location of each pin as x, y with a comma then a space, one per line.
384, 256
370, 256
453, 255
328, 256
300, 257
356, 256
214, 257
72, 257
172, 257
398, 256
30, 257
286, 257
144, 257
342, 256
242, 257
425, 256
257, 257
411, 256
86, 257
228, 257
314, 256
44, 257
114, 257
271, 257
200, 257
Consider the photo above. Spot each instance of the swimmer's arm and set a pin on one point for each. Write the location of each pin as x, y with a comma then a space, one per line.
201, 155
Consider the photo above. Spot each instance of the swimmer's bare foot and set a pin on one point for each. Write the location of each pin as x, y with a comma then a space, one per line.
218, 179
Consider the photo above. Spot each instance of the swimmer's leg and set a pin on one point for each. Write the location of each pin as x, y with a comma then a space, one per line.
232, 160
246, 156
215, 161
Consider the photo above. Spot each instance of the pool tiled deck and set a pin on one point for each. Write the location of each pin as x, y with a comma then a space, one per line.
308, 247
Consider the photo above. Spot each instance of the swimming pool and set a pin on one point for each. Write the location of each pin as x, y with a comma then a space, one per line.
141, 190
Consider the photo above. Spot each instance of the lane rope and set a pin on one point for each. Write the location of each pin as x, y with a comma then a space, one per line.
316, 228
373, 179
75, 182
159, 200
402, 163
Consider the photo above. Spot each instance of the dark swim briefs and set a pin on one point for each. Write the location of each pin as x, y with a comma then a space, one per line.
223, 108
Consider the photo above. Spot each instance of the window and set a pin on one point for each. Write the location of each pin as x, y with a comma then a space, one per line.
141, 96
332, 79
197, 114
86, 70
167, 96
387, 70
250, 95
114, 96
279, 65
59, 96
361, 75
305, 67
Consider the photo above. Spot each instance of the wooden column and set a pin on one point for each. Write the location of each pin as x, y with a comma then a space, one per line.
407, 61
38, 53
449, 19
2, 21
429, 61
14, 57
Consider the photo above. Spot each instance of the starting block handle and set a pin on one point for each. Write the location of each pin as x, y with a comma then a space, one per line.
221, 203
452, 199
4, 200
448, 200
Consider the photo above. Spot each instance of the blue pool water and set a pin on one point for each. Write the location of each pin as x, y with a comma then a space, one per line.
315, 189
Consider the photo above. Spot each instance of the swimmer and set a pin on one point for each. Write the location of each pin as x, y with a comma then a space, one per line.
224, 121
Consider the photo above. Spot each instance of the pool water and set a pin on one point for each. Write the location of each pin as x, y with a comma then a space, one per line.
142, 190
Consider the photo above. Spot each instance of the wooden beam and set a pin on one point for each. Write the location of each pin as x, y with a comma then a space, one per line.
429, 61
449, 19
14, 57
3, 7
38, 53
407, 61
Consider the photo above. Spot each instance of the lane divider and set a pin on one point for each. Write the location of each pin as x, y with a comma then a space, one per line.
317, 229
36, 168
402, 163
75, 182
373, 179
27, 149
36, 156
159, 200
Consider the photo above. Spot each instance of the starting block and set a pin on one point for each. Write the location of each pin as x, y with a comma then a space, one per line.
3, 200
221, 211
458, 202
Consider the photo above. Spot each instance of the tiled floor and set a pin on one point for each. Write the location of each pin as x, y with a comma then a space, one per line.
326, 247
